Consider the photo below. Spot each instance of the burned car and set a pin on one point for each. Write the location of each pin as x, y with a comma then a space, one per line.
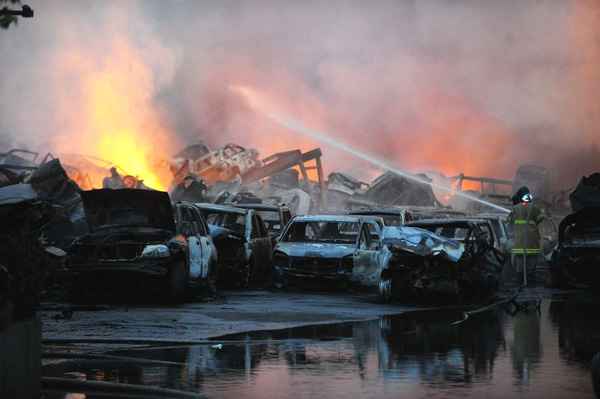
274, 217
243, 243
442, 260
500, 227
139, 233
576, 258
391, 216
27, 262
336, 248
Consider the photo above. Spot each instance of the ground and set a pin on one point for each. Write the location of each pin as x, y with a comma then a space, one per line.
233, 312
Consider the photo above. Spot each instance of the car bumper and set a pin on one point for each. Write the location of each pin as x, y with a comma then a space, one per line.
289, 272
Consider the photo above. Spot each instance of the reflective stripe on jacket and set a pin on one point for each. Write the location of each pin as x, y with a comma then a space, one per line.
525, 219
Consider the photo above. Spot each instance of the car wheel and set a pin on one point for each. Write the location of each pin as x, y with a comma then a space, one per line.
212, 278
385, 290
245, 275
279, 279
177, 282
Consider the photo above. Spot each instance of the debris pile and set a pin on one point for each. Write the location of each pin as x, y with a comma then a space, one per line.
27, 260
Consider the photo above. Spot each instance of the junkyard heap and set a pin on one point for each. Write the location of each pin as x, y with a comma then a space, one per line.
235, 219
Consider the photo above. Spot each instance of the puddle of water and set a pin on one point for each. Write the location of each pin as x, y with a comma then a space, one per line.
533, 354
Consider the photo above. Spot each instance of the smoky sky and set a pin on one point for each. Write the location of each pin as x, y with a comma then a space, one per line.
478, 87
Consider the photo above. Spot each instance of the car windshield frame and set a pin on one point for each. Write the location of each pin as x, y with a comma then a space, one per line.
220, 217
320, 229
271, 222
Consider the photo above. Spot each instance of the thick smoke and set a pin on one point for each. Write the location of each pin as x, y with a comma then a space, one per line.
455, 86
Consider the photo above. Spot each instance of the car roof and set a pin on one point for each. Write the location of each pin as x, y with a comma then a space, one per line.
220, 208
259, 207
327, 218
498, 216
378, 211
447, 221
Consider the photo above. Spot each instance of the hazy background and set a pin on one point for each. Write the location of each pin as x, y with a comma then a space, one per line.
457, 86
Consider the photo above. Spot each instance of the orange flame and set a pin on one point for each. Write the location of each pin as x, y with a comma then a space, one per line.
114, 119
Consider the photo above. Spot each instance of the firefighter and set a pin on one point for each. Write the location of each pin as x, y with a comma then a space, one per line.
190, 189
525, 219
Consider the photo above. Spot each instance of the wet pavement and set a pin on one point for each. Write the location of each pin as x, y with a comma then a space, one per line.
235, 311
539, 349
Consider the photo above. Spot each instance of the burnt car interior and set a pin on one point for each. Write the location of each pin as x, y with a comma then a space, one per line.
236, 222
272, 220
322, 231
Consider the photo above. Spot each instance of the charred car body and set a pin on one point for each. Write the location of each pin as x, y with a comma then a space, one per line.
27, 262
336, 248
139, 233
445, 260
243, 243
391, 216
274, 217
576, 260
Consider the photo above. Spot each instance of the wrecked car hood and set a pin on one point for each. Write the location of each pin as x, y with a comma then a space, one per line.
580, 229
17, 193
320, 250
422, 242
128, 208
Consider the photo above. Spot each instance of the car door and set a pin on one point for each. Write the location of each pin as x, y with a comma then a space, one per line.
265, 238
369, 257
206, 245
261, 244
190, 230
286, 215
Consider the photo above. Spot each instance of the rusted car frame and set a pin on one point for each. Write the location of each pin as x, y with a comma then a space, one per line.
243, 243
577, 256
274, 217
336, 248
391, 216
443, 260
138, 236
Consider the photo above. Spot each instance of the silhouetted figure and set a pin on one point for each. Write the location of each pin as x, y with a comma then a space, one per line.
190, 189
113, 181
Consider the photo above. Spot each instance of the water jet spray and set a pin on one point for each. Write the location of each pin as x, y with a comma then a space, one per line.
289, 123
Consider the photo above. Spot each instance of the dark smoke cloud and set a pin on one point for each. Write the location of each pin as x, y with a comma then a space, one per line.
471, 86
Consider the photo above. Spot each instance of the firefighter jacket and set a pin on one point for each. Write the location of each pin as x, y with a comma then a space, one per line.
525, 219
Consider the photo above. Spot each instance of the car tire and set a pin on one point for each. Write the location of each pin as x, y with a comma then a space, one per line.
177, 280
279, 280
385, 290
212, 279
245, 275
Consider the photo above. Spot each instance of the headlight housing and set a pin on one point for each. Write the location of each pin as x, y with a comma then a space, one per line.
156, 251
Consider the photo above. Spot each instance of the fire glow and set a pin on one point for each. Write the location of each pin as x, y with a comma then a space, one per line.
116, 120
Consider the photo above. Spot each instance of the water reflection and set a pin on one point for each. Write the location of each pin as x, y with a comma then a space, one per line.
533, 354
526, 347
